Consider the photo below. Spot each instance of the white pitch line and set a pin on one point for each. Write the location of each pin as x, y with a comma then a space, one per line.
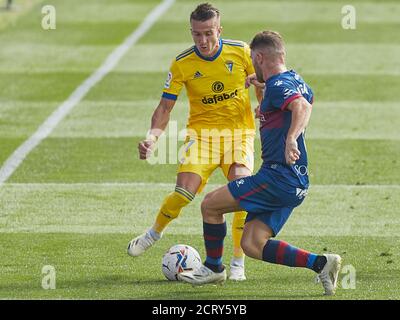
172, 185
19, 155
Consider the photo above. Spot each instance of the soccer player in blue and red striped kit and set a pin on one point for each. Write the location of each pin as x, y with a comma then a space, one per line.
279, 186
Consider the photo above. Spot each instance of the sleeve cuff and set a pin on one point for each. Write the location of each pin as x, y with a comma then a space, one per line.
169, 96
289, 100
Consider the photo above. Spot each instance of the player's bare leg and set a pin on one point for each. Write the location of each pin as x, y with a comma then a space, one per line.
217, 203
187, 185
255, 235
237, 269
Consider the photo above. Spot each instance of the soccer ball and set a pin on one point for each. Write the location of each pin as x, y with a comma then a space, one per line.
180, 258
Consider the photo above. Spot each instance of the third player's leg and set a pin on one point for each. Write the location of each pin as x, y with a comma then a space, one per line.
217, 203
237, 171
255, 235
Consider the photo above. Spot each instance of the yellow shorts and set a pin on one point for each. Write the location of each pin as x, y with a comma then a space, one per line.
203, 156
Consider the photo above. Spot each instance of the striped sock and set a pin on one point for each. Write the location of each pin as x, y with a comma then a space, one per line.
281, 252
171, 208
214, 235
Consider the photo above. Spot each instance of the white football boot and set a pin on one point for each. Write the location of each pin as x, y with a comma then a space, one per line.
329, 274
141, 243
236, 272
201, 276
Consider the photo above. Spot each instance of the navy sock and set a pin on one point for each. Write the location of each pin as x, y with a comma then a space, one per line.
214, 235
281, 252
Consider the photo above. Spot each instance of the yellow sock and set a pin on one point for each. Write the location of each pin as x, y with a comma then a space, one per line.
237, 231
171, 207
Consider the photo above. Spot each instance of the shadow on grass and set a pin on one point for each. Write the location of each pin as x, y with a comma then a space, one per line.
230, 290
122, 287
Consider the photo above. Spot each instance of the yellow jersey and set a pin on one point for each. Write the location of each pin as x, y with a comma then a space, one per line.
215, 86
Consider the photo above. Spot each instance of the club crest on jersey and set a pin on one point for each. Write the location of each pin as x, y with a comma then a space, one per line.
239, 182
229, 65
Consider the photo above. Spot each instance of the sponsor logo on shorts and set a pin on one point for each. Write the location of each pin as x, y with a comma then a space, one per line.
301, 193
301, 170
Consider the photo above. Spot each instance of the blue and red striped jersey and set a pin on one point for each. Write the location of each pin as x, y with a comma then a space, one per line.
275, 120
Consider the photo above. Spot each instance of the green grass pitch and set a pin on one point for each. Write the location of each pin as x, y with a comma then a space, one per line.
82, 194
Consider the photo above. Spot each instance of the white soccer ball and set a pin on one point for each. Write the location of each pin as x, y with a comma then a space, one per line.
180, 258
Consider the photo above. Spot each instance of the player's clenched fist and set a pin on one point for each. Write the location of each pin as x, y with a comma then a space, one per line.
146, 148
252, 80
292, 153
257, 112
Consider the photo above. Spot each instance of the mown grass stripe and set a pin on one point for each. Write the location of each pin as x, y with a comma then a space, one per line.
13, 162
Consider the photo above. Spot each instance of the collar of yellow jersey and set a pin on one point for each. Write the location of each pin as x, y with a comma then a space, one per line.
215, 56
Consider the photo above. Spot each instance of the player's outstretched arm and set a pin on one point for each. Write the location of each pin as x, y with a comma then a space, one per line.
159, 122
301, 112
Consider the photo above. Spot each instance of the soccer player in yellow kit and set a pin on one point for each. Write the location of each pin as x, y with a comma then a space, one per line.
220, 127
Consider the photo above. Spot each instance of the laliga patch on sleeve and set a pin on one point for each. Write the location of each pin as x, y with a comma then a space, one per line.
168, 81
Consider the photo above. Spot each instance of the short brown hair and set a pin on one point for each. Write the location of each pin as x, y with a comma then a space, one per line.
204, 12
271, 40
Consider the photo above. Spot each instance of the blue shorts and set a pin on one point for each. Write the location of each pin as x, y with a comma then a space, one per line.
270, 195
